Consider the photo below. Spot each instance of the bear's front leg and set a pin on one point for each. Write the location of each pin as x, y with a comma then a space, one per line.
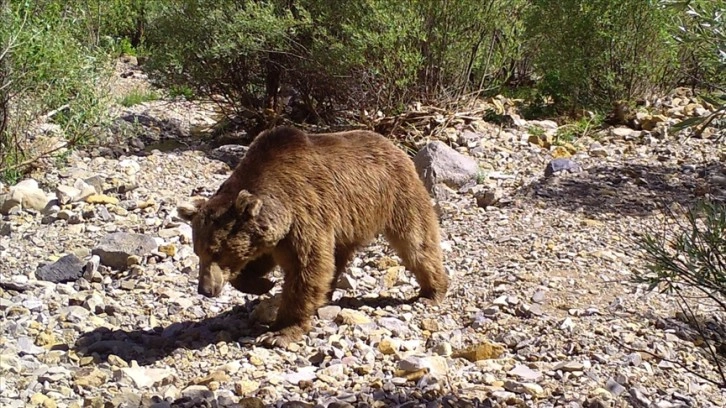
304, 290
251, 279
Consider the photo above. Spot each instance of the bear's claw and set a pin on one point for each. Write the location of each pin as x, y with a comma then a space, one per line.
276, 339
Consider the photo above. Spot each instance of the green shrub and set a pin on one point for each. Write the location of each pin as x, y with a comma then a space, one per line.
576, 129
116, 24
591, 53
329, 55
181, 91
229, 50
46, 68
700, 29
688, 260
699, 26
137, 96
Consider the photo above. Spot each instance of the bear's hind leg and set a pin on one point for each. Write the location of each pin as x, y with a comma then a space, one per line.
418, 245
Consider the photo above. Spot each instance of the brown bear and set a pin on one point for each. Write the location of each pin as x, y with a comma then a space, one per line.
307, 202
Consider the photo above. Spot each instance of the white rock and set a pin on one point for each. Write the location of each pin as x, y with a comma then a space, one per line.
328, 312
67, 194
129, 166
302, 374
621, 131
532, 389
144, 377
597, 150
438, 163
436, 365
84, 188
524, 372
25, 194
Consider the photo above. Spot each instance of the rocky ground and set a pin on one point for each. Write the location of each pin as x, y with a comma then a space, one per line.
98, 281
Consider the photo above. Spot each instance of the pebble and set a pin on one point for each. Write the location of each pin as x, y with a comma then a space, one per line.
525, 373
143, 377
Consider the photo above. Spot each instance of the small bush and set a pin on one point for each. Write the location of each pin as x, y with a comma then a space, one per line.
591, 53
574, 130
699, 27
688, 258
47, 73
137, 96
183, 91
317, 57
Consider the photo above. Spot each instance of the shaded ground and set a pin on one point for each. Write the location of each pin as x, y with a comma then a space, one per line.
631, 189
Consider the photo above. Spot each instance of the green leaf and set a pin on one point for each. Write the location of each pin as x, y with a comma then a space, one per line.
688, 123
713, 101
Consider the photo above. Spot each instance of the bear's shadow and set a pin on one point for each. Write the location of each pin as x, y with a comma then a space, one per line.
146, 346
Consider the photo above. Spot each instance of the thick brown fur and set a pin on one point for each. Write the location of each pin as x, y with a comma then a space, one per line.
307, 202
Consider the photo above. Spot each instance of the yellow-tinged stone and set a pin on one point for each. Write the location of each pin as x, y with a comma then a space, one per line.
35, 326
412, 375
245, 387
46, 338
690, 109
431, 325
89, 377
256, 361
386, 262
101, 199
351, 317
168, 249
570, 148
117, 361
602, 393
40, 400
86, 361
145, 204
391, 276
536, 140
364, 369
121, 212
587, 222
387, 347
560, 152
216, 376
481, 351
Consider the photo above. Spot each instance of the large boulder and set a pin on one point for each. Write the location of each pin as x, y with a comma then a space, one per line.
66, 269
27, 195
115, 249
438, 163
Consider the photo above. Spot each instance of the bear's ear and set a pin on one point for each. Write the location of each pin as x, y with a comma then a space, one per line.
247, 203
187, 211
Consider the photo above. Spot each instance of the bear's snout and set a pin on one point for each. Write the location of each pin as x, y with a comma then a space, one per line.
211, 281
209, 290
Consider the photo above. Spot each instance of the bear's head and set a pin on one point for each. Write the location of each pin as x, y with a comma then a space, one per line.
228, 233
